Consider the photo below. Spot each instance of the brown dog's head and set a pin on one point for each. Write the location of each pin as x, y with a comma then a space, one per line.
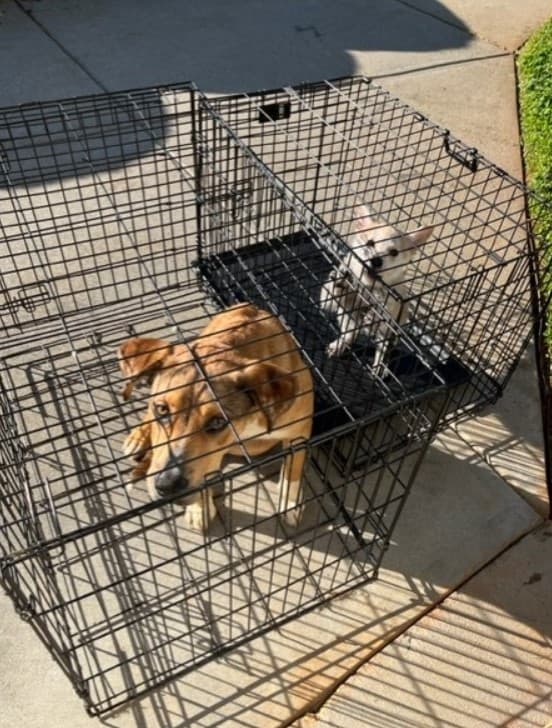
203, 402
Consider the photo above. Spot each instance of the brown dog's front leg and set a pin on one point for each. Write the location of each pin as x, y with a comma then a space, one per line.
291, 491
138, 447
200, 510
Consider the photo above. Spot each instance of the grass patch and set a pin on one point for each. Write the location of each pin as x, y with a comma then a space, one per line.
535, 97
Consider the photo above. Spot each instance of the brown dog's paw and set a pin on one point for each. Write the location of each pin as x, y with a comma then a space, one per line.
127, 390
293, 516
140, 470
199, 514
137, 444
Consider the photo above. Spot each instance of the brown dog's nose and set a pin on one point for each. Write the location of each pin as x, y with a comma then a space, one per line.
170, 480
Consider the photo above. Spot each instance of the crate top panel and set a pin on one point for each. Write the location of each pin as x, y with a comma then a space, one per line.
93, 203
337, 145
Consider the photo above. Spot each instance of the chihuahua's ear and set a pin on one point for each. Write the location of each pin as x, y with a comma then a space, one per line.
141, 357
420, 236
363, 219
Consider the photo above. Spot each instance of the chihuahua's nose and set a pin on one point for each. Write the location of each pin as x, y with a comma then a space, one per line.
376, 262
170, 480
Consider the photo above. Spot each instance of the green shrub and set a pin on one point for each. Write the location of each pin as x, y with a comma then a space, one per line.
535, 96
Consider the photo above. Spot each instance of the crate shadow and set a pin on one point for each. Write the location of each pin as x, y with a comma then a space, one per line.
422, 563
236, 54
247, 46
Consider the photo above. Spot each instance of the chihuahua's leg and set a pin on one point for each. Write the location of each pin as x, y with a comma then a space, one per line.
335, 289
349, 325
290, 486
200, 510
386, 337
380, 356
327, 298
403, 315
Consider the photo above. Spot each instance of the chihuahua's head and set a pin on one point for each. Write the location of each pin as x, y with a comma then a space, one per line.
203, 403
383, 248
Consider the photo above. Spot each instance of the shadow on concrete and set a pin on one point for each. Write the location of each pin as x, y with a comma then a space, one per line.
224, 48
239, 46
482, 658
421, 565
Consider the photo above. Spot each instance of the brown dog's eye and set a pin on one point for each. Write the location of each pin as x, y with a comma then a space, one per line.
161, 410
216, 424
393, 253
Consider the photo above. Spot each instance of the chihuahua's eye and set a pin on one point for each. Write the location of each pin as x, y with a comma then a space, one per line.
161, 410
393, 252
216, 424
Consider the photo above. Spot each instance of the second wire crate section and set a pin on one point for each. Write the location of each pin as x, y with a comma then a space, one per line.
329, 151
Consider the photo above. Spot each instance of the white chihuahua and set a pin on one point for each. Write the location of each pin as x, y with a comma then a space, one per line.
381, 254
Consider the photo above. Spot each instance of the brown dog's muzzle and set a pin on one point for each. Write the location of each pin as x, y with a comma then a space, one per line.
171, 480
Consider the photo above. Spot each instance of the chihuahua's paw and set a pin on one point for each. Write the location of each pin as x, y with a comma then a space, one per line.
136, 444
380, 370
336, 348
198, 515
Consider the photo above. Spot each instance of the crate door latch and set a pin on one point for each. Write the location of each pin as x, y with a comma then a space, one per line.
467, 156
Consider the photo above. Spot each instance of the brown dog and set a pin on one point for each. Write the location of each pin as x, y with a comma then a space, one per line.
240, 388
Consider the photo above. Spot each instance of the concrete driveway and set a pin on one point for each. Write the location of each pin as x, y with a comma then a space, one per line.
481, 488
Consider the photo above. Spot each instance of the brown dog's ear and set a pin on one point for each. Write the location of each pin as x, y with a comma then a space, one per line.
269, 387
140, 357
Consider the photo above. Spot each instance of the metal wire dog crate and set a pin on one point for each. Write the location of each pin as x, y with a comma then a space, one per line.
108, 233
468, 296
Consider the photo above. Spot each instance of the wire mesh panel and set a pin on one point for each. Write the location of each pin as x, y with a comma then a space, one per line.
174, 481
347, 156
93, 197
254, 246
126, 597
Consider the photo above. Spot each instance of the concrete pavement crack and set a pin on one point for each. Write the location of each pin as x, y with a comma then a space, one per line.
444, 64
29, 13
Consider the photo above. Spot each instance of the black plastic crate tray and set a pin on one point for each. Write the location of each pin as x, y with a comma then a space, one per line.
286, 274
